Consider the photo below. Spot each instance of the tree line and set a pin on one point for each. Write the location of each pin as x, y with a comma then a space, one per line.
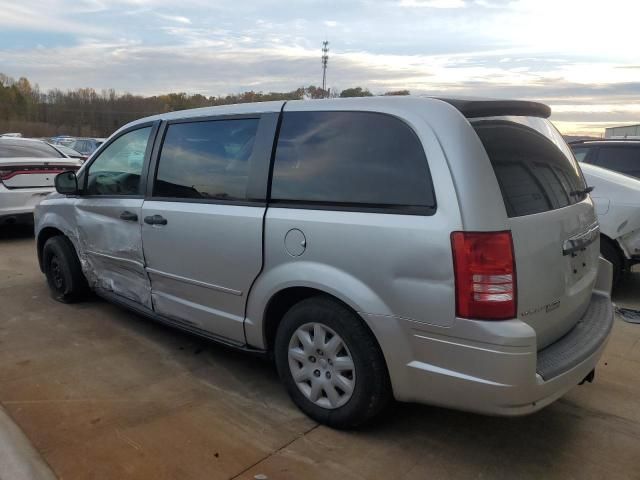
85, 112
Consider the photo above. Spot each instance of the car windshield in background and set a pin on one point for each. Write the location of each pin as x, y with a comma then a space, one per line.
534, 166
70, 152
26, 149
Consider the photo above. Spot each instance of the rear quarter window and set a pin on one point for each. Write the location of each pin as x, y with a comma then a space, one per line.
351, 159
534, 167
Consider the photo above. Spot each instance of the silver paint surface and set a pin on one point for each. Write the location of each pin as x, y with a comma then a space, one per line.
395, 271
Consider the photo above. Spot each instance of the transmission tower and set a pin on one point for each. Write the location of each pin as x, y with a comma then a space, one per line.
325, 59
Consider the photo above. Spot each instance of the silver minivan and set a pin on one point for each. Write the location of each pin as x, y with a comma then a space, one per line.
442, 251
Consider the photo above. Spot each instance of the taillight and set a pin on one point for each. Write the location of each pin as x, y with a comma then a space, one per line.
10, 172
485, 274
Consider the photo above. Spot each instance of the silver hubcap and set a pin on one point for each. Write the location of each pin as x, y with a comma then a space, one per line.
321, 365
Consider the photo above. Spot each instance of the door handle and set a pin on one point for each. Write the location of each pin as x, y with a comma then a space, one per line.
155, 220
128, 216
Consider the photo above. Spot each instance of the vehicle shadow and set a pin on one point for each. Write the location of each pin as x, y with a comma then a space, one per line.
404, 432
16, 232
627, 294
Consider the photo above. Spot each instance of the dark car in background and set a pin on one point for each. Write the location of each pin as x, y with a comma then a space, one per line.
62, 140
621, 156
86, 146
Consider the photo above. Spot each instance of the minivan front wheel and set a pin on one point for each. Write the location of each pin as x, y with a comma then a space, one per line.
331, 363
63, 271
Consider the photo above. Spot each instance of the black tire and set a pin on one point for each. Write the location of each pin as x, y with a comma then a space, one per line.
63, 271
372, 389
611, 253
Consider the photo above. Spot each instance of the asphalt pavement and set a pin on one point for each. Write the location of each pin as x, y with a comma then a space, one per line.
102, 393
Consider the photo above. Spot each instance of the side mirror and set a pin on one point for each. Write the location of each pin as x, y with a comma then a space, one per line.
67, 183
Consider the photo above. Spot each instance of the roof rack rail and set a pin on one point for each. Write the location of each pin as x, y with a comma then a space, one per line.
634, 139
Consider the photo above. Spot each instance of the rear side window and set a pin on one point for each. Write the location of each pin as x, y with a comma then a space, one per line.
580, 153
208, 160
25, 149
350, 159
535, 168
621, 159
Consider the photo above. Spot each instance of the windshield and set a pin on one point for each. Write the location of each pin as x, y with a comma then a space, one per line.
534, 166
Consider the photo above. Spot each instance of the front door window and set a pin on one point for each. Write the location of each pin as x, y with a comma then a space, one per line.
118, 169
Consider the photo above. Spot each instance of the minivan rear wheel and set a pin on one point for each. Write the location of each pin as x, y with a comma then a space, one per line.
63, 271
331, 363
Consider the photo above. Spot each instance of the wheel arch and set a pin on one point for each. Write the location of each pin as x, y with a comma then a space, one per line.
385, 328
280, 287
276, 289
280, 303
615, 244
43, 235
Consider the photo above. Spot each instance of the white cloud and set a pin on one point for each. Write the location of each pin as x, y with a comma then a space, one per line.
175, 18
45, 17
569, 53
433, 3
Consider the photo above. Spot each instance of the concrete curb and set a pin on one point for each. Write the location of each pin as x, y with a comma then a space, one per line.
18, 459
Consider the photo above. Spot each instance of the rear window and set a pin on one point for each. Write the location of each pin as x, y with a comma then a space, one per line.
25, 148
534, 166
350, 159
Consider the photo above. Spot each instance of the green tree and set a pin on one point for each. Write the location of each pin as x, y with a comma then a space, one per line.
394, 93
85, 111
355, 92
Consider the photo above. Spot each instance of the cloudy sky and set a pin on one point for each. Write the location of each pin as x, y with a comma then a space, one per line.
581, 57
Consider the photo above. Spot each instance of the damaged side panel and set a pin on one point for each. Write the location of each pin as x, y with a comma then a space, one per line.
617, 201
111, 247
621, 223
630, 243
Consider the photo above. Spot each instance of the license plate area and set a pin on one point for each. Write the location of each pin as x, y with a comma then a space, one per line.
578, 264
576, 249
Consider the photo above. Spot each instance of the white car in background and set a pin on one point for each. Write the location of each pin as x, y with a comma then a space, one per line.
617, 201
27, 171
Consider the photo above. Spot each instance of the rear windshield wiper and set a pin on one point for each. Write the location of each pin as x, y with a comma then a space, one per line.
584, 191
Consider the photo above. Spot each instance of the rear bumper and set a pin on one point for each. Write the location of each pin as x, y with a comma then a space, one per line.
493, 367
19, 203
580, 343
